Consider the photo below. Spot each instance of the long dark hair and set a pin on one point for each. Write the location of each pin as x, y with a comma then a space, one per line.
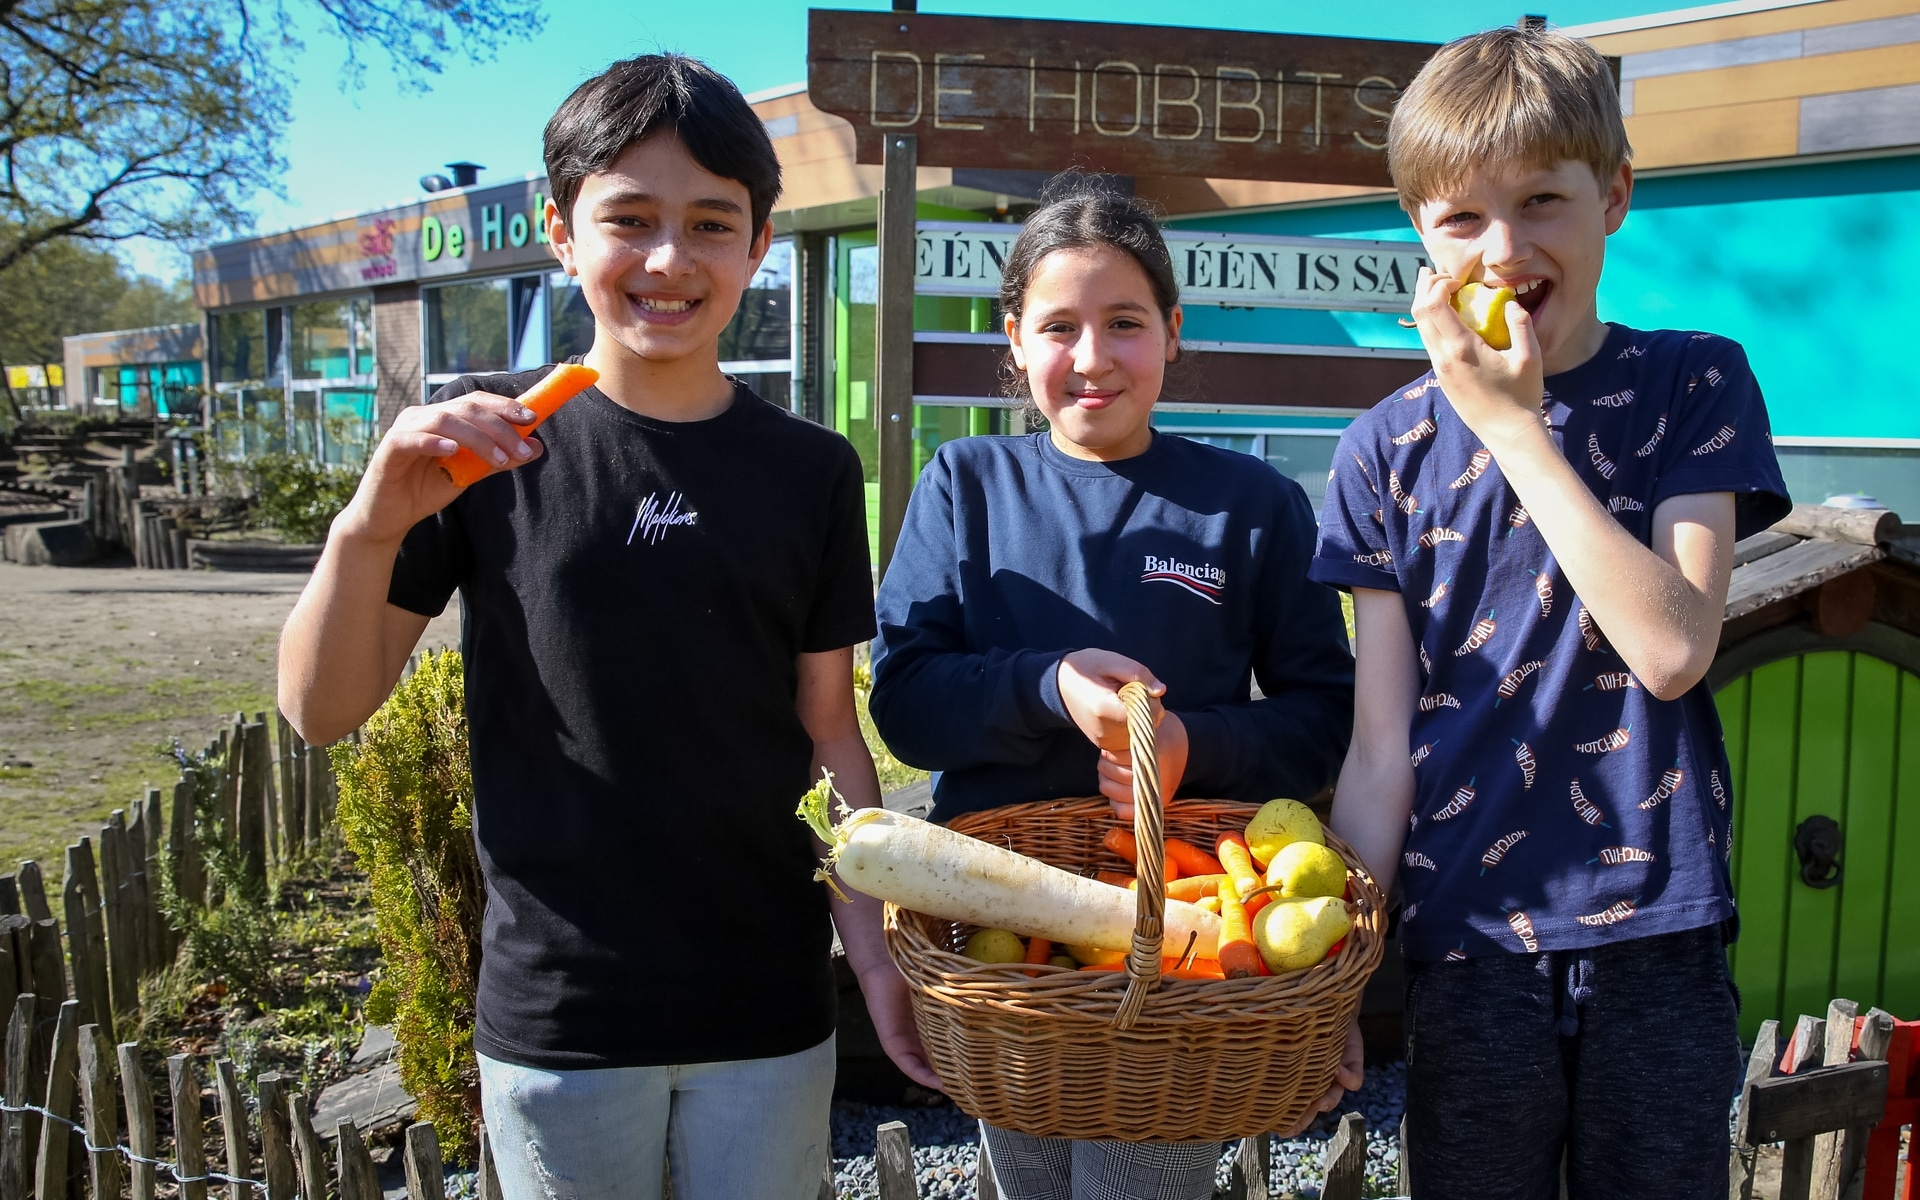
1083, 211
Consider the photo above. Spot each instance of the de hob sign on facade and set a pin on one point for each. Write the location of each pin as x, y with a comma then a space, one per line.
1128, 99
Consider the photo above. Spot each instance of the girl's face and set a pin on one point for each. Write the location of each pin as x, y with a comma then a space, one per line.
1094, 349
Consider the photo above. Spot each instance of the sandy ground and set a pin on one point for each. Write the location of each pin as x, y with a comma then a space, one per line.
102, 668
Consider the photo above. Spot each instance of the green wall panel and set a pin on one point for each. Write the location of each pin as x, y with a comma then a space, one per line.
1819, 784
1868, 817
1902, 969
1763, 821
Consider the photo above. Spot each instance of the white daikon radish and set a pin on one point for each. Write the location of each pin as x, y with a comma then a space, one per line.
933, 870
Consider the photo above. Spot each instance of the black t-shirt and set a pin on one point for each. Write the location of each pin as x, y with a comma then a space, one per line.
634, 602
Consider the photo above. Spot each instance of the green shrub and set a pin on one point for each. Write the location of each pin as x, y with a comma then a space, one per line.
406, 796
231, 941
298, 496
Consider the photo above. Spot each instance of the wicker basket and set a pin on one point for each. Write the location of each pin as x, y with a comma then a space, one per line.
1129, 1055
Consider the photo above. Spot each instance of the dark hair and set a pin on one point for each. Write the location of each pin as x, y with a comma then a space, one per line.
1082, 211
636, 98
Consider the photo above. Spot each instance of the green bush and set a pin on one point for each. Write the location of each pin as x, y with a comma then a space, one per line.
298, 496
231, 941
406, 796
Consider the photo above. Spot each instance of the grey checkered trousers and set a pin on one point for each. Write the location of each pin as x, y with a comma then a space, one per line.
1035, 1168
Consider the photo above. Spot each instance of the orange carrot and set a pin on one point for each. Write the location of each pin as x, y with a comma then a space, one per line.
1121, 843
1199, 968
1193, 887
1039, 950
1116, 878
544, 398
1238, 861
1239, 957
1192, 859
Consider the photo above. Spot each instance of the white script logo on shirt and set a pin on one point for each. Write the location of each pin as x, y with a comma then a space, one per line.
1205, 580
653, 519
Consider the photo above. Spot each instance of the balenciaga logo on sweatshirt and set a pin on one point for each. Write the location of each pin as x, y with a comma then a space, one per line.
1203, 580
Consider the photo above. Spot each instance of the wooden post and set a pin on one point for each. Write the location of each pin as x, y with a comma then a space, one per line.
159, 950
82, 954
1405, 1187
96, 933
1850, 1150
1838, 1048
310, 1158
1346, 1160
189, 875
189, 1153
116, 892
985, 1186
143, 955
12, 967
292, 817
1766, 1045
488, 1185
9, 895
1806, 1049
269, 791
33, 891
893, 1161
426, 1176
893, 343
26, 1075
141, 1138
1248, 1178
49, 974
50, 1179
251, 841
233, 1122
297, 776
99, 1112
276, 1137
358, 1180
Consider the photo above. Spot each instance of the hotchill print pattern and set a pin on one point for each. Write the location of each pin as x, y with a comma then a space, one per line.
1558, 804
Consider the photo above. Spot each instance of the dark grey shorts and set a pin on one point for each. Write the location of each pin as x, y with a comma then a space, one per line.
1624, 1058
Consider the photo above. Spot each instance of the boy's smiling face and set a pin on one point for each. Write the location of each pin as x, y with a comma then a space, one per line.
1540, 231
663, 248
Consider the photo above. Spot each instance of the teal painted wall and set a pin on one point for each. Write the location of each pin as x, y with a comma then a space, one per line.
1805, 266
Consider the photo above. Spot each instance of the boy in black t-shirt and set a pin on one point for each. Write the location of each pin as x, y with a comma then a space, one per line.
661, 598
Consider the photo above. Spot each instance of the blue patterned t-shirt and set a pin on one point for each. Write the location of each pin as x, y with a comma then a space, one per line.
1558, 804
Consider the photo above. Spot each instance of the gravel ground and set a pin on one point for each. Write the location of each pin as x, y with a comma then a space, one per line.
946, 1145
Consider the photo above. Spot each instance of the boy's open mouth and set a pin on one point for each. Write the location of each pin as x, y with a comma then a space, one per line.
1532, 294
660, 308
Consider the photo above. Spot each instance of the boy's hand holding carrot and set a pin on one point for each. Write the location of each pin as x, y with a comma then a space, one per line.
406, 480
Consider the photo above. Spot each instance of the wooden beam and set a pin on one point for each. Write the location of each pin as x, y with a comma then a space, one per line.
893, 341
1817, 1101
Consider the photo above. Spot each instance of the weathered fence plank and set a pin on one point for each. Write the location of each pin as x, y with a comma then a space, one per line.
233, 1124
33, 891
1759, 1066
1837, 1047
141, 1136
1346, 1160
1247, 1178
145, 955
276, 1137
893, 1161
357, 1178
50, 1176
309, 1156
183, 851
251, 838
487, 1187
9, 895
426, 1175
99, 1113
96, 932
159, 937
26, 1076
189, 1152
116, 894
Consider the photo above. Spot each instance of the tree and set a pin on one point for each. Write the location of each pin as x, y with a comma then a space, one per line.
161, 118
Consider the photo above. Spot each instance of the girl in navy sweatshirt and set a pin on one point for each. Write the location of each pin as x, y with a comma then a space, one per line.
1035, 575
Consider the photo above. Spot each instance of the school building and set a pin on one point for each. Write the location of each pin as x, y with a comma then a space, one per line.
1777, 145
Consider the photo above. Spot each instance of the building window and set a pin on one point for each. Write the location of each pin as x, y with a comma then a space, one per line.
240, 345
1304, 456
467, 328
322, 340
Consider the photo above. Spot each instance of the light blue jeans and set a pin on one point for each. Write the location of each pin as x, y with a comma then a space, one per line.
755, 1129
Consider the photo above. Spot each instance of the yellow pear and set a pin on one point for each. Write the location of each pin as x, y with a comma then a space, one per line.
1279, 824
995, 946
1297, 931
1094, 956
1484, 309
1307, 869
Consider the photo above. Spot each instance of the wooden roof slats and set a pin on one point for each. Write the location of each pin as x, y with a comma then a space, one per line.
1793, 570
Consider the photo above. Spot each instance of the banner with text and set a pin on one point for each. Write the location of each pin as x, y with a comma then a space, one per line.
955, 258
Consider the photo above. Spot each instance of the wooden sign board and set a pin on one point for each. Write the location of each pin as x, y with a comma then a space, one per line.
960, 258
1016, 94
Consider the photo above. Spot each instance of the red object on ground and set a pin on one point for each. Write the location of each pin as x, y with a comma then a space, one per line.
544, 398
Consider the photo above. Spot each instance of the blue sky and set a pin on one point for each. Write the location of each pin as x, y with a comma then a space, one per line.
358, 149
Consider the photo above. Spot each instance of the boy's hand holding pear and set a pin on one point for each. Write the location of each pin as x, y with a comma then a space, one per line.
1496, 390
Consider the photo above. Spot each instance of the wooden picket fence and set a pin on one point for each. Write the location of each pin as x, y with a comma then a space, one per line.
75, 1144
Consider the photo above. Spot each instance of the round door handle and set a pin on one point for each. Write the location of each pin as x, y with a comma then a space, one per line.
1818, 843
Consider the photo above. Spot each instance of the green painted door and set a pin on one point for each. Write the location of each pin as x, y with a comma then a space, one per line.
1834, 733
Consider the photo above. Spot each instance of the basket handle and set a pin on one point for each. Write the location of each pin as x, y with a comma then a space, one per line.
1149, 835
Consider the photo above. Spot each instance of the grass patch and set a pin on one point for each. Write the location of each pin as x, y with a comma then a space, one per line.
893, 773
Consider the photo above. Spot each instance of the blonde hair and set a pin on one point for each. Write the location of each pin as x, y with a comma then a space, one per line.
1505, 98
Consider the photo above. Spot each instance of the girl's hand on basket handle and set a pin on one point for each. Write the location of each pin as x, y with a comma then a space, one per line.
1116, 767
1347, 1077
1090, 690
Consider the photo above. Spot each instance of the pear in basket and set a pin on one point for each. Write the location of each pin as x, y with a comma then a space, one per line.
1296, 932
1279, 824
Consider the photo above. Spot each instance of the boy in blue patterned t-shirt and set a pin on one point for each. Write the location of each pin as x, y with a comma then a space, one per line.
1538, 543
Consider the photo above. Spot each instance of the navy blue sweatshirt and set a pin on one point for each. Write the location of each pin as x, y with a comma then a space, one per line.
1187, 558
